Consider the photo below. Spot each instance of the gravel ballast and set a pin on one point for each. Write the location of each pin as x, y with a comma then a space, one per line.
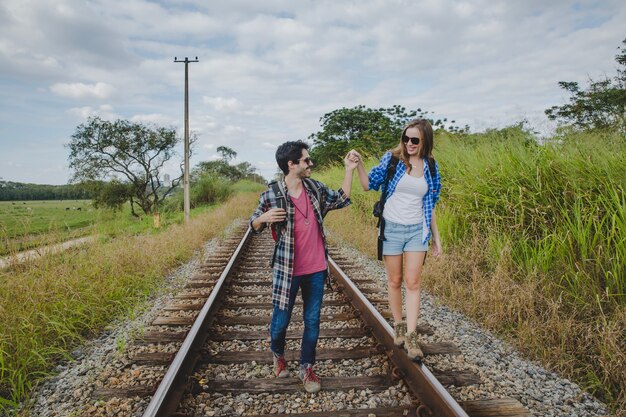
504, 373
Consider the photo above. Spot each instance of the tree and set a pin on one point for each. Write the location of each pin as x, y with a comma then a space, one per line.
112, 194
601, 106
137, 153
369, 130
223, 168
227, 153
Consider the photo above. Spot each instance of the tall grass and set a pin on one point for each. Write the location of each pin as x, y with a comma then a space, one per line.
49, 305
535, 246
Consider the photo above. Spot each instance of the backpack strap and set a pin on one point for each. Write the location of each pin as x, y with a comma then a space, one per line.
313, 186
431, 166
391, 171
281, 202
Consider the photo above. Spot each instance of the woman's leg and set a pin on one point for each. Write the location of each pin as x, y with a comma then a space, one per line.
413, 262
393, 266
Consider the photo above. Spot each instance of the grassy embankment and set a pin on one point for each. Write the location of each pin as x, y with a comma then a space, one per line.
534, 247
49, 305
27, 224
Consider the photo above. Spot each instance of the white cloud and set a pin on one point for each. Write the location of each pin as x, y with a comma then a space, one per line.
79, 90
270, 70
156, 119
230, 129
222, 104
104, 111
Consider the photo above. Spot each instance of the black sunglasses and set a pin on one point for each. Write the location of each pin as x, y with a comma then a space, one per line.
414, 141
307, 160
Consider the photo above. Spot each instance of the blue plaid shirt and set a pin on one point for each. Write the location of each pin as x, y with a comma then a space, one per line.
285, 247
378, 175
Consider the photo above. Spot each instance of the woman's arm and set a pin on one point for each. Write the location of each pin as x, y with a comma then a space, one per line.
436, 249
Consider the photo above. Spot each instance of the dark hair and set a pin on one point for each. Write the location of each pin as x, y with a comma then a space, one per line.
289, 151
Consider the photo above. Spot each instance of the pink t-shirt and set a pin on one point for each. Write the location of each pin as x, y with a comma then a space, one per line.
309, 256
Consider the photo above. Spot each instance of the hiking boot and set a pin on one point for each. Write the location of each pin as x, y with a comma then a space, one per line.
412, 347
280, 366
400, 330
312, 382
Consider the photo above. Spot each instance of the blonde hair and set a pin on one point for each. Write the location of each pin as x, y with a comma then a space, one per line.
426, 148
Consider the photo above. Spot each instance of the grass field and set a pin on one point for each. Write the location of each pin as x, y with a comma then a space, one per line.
534, 246
24, 224
50, 304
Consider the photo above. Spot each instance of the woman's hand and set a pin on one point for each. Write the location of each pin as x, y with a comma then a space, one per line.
436, 249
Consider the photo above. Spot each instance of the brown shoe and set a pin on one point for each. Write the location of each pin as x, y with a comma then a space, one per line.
412, 347
280, 366
400, 331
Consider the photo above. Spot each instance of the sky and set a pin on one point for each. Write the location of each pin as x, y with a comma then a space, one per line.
269, 70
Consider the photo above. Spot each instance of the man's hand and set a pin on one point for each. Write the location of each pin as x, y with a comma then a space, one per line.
352, 160
273, 215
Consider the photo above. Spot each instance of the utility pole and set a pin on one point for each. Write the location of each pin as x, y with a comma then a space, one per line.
186, 173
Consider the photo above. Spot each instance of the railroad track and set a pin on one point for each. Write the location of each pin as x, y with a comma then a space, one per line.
211, 346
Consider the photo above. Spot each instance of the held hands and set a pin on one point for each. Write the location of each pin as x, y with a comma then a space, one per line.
352, 160
273, 215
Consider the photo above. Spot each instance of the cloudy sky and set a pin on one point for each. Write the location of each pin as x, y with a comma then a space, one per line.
270, 69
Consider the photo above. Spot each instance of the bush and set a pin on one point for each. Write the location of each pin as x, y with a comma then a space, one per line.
210, 189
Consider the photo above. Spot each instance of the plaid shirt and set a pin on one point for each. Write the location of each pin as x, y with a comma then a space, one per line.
378, 175
285, 247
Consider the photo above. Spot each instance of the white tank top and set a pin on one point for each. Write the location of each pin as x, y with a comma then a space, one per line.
406, 204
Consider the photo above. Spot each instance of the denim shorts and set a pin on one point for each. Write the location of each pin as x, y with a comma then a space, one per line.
401, 238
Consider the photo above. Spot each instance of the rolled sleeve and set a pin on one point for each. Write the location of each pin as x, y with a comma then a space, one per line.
378, 174
261, 208
331, 199
436, 184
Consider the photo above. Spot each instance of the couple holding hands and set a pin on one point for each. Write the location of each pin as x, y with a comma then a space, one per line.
295, 208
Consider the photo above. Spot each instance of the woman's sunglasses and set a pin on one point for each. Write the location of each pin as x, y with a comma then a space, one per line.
414, 141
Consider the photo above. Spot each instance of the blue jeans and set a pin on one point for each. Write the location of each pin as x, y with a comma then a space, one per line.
312, 292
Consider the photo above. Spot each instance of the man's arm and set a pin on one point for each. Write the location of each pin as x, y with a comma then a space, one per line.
264, 215
351, 161
271, 216
360, 170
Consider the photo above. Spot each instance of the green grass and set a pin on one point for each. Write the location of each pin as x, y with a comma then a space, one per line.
24, 224
51, 304
534, 246
28, 224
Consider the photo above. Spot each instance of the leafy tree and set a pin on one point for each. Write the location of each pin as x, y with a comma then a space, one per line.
227, 153
23, 191
135, 152
601, 106
223, 168
112, 195
218, 167
369, 130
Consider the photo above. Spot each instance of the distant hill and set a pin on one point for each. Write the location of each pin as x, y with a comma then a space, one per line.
23, 191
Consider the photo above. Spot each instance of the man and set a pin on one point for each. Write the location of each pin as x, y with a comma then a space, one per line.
295, 208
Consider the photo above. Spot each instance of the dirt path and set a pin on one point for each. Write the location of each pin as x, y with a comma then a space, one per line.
43, 250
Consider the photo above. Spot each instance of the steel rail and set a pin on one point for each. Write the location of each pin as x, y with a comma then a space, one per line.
171, 389
420, 381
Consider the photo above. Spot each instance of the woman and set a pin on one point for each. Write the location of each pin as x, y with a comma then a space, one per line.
410, 223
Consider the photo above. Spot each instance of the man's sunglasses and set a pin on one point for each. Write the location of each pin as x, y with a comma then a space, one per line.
414, 141
308, 160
